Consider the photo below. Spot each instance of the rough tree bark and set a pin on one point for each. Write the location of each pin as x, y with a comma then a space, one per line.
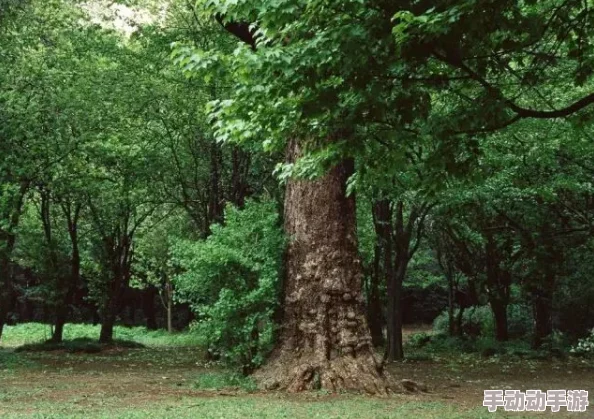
325, 341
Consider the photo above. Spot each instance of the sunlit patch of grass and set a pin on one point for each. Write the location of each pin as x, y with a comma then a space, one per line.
35, 333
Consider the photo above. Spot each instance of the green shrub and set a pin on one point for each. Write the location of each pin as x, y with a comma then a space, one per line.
231, 281
479, 321
585, 346
418, 340
225, 380
476, 321
556, 344
520, 321
486, 346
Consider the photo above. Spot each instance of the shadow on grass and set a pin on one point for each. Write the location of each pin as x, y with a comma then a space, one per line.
79, 345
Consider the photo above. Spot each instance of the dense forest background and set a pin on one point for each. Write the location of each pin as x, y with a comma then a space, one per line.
151, 153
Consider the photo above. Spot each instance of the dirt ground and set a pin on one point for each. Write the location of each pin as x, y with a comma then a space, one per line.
138, 378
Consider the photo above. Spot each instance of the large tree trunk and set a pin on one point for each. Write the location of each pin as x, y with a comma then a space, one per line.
325, 341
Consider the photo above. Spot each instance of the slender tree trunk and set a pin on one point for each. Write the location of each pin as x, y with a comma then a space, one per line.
240, 170
7, 295
473, 299
405, 247
382, 213
542, 303
499, 309
61, 303
58, 332
111, 308
169, 317
498, 283
382, 222
169, 295
542, 320
374, 306
148, 305
70, 287
550, 259
395, 350
119, 252
13, 205
325, 341
460, 321
61, 317
58, 304
451, 320
215, 200
106, 334
5, 290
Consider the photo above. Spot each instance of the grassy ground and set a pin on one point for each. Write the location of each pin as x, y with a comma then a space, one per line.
168, 379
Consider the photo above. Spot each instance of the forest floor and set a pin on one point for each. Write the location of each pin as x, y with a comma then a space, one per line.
163, 381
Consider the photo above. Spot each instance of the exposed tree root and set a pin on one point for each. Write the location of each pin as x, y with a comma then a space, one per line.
344, 373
